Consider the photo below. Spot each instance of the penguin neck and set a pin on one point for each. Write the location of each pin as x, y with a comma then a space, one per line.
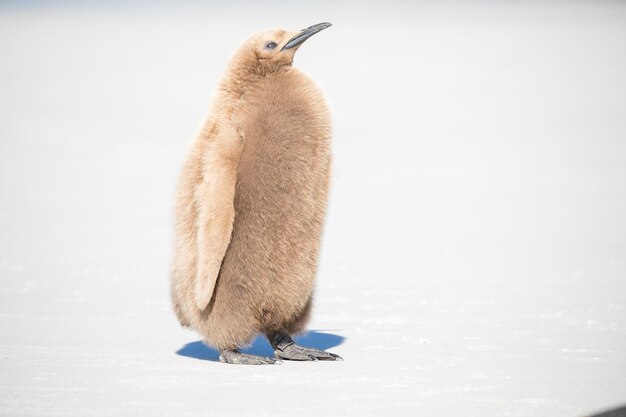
243, 75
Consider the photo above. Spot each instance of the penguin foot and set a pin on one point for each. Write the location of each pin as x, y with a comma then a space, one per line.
286, 348
236, 357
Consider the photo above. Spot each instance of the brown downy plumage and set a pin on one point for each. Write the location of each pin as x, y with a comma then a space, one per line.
251, 199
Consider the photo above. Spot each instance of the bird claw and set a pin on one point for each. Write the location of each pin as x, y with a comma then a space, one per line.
237, 358
294, 352
286, 348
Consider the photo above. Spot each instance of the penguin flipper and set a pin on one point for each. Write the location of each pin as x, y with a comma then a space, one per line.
214, 199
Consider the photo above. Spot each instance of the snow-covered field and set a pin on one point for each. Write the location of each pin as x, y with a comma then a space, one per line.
474, 260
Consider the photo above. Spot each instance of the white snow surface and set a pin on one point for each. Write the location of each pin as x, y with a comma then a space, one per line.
474, 256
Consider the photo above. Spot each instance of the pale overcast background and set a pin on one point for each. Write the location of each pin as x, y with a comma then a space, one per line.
474, 257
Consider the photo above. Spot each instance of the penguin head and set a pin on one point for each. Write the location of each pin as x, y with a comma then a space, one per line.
272, 49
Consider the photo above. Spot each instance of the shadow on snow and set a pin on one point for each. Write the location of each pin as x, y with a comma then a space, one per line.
261, 346
615, 412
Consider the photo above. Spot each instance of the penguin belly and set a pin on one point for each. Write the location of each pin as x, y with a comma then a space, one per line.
267, 276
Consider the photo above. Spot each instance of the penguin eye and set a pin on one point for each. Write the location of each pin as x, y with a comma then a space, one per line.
271, 45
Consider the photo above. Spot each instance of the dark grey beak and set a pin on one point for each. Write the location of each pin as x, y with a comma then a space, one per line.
305, 34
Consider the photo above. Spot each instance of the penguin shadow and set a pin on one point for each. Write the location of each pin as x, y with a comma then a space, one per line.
261, 346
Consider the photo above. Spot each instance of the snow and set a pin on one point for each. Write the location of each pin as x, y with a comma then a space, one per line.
474, 257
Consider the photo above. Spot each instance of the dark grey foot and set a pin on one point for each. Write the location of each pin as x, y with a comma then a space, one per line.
236, 357
286, 348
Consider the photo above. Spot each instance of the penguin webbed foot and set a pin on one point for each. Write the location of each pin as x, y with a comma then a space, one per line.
286, 348
234, 356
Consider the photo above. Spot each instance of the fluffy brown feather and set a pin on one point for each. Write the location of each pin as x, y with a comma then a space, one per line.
251, 200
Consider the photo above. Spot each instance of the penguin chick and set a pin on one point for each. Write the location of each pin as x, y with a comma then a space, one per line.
250, 204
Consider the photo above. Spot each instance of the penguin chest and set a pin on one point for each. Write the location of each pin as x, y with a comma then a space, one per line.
280, 201
283, 171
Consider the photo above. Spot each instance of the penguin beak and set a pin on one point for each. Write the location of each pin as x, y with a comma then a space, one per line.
305, 34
